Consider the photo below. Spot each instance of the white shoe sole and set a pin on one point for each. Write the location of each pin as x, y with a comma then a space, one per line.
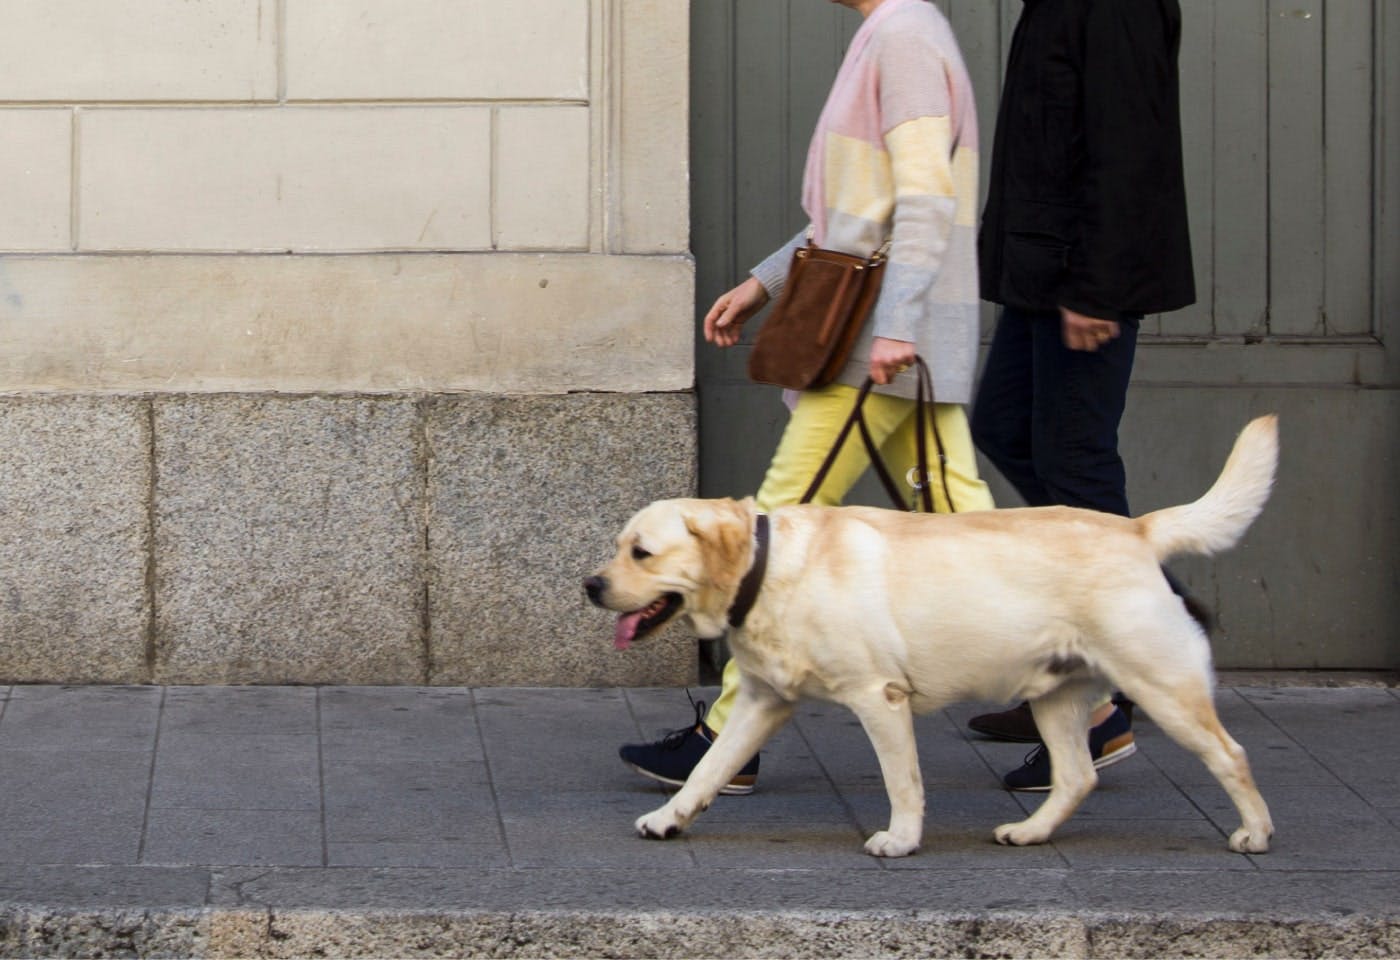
1107, 760
729, 790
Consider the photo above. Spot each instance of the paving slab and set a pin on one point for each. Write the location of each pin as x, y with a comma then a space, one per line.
184, 836
393, 821
408, 801
88, 718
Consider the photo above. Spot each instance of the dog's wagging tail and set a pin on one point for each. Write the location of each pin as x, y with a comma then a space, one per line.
1217, 520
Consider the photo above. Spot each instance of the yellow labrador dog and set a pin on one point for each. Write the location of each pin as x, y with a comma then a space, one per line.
891, 613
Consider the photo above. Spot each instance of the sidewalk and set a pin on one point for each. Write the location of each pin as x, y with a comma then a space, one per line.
409, 821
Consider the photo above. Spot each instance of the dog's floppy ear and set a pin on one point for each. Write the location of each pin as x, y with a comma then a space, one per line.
724, 531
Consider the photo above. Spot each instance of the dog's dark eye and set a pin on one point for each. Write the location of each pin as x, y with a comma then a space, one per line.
639, 554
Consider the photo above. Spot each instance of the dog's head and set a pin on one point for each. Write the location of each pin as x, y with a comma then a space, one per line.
676, 558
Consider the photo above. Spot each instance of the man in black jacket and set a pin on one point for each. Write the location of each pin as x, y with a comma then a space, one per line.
1083, 233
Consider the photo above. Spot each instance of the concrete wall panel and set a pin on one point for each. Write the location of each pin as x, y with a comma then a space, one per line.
293, 179
131, 50
651, 129
437, 49
499, 323
36, 149
542, 195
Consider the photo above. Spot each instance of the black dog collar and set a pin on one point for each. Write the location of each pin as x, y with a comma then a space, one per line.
748, 587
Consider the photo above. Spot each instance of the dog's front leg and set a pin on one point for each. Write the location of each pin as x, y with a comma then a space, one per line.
889, 722
758, 714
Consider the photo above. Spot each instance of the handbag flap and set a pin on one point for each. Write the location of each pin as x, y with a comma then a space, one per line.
813, 326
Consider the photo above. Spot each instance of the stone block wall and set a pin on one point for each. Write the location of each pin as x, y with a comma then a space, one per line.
337, 337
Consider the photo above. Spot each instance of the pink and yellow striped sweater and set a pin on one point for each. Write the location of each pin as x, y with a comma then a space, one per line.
894, 157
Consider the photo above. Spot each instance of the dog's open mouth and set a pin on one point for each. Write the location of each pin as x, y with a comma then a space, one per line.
637, 624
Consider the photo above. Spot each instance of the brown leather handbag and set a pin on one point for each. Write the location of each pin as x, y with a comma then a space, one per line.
808, 336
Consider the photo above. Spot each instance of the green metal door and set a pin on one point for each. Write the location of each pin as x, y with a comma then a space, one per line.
1293, 172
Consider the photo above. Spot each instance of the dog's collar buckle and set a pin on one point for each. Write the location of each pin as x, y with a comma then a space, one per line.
753, 580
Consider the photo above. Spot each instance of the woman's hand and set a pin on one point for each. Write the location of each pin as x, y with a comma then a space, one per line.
1085, 333
889, 358
724, 324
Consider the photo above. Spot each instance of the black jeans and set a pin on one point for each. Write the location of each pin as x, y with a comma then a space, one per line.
1047, 416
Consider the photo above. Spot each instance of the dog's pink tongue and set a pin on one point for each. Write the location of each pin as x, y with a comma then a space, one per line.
626, 629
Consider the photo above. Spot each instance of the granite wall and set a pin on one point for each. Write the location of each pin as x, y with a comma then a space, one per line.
327, 539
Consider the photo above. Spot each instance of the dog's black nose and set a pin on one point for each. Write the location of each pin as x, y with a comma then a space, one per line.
594, 587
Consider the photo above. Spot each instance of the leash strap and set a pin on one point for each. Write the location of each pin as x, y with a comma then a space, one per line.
923, 422
925, 409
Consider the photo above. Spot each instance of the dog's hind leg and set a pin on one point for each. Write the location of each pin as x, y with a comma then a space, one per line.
758, 714
1063, 719
1183, 707
888, 719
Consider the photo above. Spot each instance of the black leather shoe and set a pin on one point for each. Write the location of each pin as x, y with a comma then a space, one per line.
1016, 725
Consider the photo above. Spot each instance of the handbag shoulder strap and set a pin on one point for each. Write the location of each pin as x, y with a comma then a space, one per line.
880, 254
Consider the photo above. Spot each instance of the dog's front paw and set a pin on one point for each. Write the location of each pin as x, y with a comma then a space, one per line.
1245, 841
1020, 834
660, 824
886, 844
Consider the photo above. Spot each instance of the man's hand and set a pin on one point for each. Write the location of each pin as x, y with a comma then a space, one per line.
1085, 333
724, 324
889, 358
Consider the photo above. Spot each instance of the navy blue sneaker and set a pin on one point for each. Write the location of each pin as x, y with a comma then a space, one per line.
1109, 742
671, 759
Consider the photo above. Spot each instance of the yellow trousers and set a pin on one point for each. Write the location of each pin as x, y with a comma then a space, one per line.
807, 440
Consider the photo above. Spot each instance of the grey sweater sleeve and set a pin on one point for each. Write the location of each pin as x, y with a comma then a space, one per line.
773, 271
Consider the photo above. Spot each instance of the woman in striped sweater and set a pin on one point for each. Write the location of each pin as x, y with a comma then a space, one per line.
893, 159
